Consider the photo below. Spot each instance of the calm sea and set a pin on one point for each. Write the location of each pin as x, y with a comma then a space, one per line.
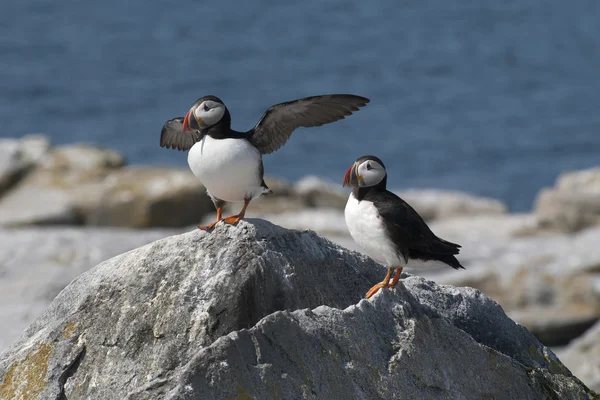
491, 97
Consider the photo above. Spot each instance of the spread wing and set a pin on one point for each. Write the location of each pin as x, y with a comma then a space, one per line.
172, 135
278, 122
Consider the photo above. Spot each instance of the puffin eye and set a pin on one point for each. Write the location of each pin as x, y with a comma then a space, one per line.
369, 167
205, 108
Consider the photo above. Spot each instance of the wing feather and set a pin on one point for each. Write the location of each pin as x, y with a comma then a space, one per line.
278, 122
173, 137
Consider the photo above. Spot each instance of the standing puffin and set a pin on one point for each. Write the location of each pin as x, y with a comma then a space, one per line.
387, 227
229, 163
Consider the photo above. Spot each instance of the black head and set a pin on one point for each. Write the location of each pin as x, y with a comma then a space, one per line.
207, 111
367, 171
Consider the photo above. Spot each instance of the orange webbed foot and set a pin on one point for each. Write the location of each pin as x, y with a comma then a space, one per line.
234, 219
394, 281
209, 226
375, 289
383, 284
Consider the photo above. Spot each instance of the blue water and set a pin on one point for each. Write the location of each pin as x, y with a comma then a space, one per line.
492, 97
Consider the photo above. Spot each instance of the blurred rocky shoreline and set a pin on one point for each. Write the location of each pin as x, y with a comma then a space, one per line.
64, 209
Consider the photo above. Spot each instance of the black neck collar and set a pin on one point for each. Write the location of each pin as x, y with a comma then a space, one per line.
222, 129
361, 192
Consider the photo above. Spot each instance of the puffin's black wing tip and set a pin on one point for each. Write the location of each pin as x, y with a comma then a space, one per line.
361, 101
364, 100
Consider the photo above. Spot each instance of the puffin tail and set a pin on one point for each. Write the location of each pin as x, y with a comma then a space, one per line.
450, 260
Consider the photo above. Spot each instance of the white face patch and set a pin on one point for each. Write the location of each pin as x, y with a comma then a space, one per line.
372, 173
208, 113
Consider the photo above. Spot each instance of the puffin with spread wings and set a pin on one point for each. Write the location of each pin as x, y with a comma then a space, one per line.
229, 163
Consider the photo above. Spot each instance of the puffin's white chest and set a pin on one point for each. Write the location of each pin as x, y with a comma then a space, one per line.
367, 229
228, 168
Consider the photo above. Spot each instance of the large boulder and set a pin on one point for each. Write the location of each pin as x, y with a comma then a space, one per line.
257, 311
573, 204
51, 193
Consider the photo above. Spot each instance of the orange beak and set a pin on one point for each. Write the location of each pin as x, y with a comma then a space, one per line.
347, 177
352, 178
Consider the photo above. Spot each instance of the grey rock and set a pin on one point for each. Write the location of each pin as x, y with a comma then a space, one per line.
34, 148
485, 228
37, 263
83, 157
573, 204
418, 342
228, 313
550, 284
435, 204
284, 199
86, 185
60, 186
557, 326
10, 164
323, 220
30, 205
582, 356
144, 197
19, 156
319, 192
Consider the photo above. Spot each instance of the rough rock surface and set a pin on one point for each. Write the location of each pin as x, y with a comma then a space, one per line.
582, 356
37, 263
573, 204
550, 284
257, 311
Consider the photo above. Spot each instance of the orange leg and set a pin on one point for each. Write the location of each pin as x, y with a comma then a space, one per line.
210, 226
383, 284
396, 277
235, 218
